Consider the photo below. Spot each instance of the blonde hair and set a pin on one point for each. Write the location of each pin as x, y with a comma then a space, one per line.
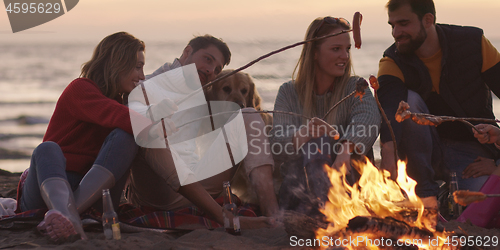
116, 54
305, 71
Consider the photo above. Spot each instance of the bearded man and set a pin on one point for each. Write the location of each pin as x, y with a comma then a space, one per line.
442, 70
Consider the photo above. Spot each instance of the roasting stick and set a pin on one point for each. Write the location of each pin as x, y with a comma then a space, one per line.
361, 85
356, 29
435, 120
375, 85
257, 60
245, 112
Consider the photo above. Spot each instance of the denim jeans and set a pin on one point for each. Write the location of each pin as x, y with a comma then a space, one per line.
420, 147
459, 155
426, 153
47, 160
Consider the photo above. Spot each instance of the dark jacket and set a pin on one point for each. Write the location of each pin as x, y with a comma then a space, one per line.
464, 90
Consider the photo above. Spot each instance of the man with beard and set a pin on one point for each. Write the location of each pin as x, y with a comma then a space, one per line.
442, 70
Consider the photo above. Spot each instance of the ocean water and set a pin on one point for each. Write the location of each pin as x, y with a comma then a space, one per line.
33, 75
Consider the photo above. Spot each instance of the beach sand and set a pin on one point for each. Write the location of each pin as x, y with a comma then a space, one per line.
198, 239
25, 236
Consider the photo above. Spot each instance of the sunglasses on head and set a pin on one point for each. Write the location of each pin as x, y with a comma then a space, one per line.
331, 20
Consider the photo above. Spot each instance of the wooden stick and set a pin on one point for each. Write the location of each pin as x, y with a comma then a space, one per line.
361, 85
428, 119
259, 59
337, 104
246, 112
465, 232
375, 85
455, 119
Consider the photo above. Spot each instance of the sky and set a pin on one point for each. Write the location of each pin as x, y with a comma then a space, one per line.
232, 20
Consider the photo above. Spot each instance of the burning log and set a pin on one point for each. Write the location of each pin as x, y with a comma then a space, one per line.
387, 227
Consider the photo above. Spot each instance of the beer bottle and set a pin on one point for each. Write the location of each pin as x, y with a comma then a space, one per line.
229, 208
454, 209
110, 223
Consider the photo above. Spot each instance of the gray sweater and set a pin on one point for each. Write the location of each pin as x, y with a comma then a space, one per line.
359, 120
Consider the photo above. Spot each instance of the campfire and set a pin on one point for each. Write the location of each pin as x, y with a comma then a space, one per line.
376, 213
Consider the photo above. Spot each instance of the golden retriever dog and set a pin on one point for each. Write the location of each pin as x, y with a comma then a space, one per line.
240, 88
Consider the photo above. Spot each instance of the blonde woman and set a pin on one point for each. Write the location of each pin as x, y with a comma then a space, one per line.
323, 77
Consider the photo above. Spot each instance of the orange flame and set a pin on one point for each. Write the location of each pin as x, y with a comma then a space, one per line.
375, 194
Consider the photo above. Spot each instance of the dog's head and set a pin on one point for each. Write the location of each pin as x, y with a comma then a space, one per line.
238, 88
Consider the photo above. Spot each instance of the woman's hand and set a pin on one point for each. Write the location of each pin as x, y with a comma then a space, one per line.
315, 128
318, 128
487, 133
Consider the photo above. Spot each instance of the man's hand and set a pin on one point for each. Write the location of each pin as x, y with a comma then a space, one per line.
488, 133
481, 166
388, 162
163, 109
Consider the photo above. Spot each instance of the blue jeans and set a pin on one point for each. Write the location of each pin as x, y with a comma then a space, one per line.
47, 161
459, 155
426, 152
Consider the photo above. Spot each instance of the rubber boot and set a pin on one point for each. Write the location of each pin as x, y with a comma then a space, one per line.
483, 213
62, 220
90, 188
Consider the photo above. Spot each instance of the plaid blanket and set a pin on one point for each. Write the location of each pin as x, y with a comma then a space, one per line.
186, 218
